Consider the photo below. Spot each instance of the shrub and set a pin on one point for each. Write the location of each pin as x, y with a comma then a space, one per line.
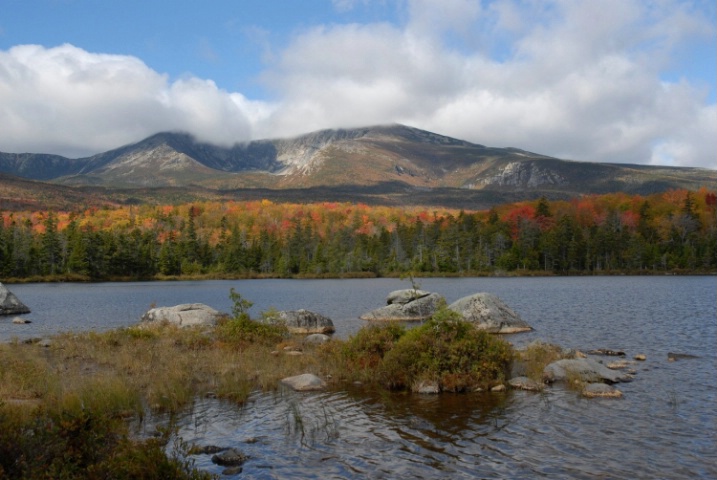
81, 444
357, 358
450, 351
242, 329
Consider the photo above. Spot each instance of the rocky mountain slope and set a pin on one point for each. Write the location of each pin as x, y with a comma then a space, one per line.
384, 160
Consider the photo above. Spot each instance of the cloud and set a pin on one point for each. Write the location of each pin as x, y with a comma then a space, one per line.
68, 101
569, 78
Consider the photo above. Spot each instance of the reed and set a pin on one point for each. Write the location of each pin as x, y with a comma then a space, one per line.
536, 356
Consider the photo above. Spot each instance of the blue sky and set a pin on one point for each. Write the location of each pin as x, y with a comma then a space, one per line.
600, 80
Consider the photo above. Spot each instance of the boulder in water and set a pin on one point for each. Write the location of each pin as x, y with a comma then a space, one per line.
185, 315
584, 369
301, 321
488, 312
418, 309
10, 304
304, 383
402, 297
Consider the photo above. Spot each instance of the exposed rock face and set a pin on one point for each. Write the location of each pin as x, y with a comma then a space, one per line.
185, 315
302, 322
488, 312
10, 304
418, 309
524, 174
585, 369
304, 383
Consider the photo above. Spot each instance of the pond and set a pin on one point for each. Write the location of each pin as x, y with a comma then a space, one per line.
665, 426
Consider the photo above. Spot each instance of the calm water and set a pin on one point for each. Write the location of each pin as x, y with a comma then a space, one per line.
664, 427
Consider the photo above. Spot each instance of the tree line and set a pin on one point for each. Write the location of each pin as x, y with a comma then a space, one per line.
667, 232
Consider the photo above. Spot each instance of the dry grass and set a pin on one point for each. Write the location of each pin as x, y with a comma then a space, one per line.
536, 356
162, 369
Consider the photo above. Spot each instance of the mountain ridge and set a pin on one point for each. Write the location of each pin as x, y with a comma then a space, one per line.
394, 157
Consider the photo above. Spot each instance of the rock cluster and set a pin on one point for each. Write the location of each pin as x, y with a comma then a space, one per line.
486, 311
408, 305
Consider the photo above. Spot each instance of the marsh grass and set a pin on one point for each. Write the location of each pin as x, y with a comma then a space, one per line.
536, 356
58, 403
65, 409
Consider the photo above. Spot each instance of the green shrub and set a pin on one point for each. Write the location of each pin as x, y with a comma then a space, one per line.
450, 351
242, 329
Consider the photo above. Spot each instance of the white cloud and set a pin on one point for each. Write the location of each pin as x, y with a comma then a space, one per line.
569, 78
573, 79
68, 101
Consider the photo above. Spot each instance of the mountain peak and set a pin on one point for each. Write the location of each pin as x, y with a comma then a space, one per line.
374, 156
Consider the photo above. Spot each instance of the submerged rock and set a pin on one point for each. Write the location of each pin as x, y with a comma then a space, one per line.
304, 383
607, 351
10, 304
672, 356
302, 321
584, 369
185, 315
418, 309
230, 458
592, 390
490, 313
525, 383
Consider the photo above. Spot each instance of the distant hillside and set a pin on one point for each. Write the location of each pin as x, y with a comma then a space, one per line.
392, 163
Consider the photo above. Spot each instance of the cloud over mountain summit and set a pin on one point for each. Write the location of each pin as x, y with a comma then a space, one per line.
568, 78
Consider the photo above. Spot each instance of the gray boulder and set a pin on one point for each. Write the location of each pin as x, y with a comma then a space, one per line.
304, 383
185, 315
418, 309
489, 313
302, 321
10, 304
402, 297
584, 369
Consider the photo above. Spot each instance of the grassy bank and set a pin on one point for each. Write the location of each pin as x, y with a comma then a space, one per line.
65, 408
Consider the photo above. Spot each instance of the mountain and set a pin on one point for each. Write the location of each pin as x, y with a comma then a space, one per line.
392, 163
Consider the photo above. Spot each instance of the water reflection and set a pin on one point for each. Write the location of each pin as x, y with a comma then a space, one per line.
349, 433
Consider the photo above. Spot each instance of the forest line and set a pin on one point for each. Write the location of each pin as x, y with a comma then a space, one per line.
675, 231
